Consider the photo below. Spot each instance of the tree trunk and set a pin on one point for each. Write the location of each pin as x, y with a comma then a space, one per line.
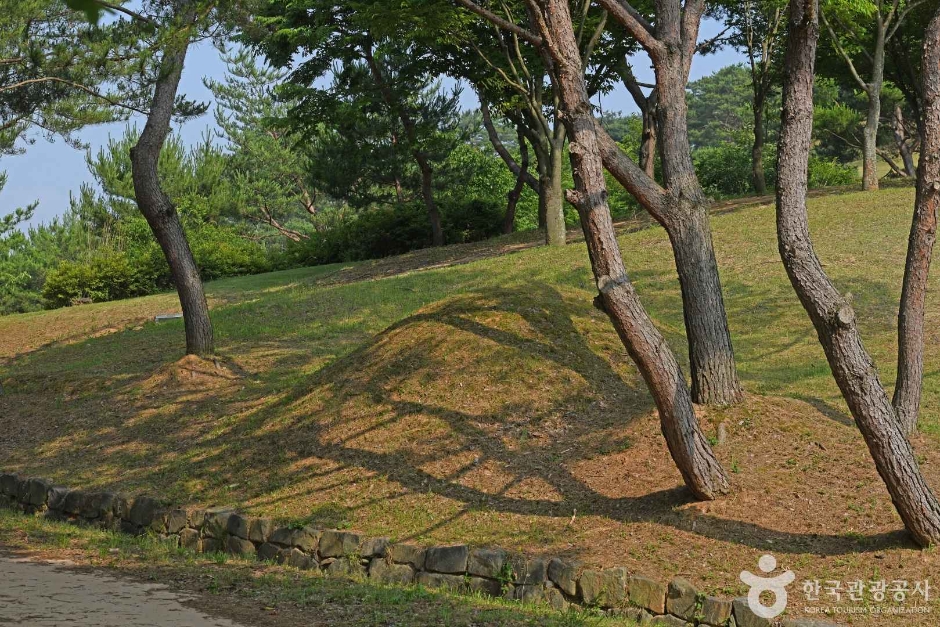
907, 391
757, 149
831, 314
543, 168
512, 199
711, 355
687, 444
158, 209
424, 165
714, 376
873, 119
648, 142
900, 137
500, 149
555, 201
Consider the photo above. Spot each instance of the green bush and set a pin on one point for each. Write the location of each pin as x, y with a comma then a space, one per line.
472, 221
725, 170
107, 276
221, 252
386, 231
829, 172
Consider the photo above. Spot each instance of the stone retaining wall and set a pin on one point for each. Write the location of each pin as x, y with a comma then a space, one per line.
492, 571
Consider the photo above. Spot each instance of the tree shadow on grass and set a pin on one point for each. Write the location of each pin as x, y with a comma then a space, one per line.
383, 412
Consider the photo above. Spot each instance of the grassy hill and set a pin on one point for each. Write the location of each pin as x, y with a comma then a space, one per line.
473, 393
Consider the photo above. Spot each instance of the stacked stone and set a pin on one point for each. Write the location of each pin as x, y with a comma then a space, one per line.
492, 571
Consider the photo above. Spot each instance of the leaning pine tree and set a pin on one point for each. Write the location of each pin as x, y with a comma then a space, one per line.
831, 314
617, 297
168, 29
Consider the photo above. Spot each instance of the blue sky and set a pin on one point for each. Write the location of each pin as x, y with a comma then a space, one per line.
49, 171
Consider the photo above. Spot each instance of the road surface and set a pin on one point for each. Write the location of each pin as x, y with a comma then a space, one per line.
44, 594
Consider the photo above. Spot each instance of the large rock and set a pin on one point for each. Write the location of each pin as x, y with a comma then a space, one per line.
73, 502
99, 506
216, 522
240, 546
345, 567
56, 497
176, 520
447, 559
681, 597
603, 588
373, 547
564, 574
647, 593
339, 544
487, 563
744, 617
197, 518
282, 536
189, 539
143, 512
530, 572
35, 492
715, 612
296, 558
489, 587
408, 554
306, 539
211, 545
237, 525
555, 598
9, 484
267, 552
260, 529
382, 571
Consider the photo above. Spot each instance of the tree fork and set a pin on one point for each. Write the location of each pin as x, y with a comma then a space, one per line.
687, 444
830, 313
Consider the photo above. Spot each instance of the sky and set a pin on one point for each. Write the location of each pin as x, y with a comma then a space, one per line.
49, 171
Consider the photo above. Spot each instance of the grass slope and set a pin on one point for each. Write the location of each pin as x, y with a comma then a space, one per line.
469, 394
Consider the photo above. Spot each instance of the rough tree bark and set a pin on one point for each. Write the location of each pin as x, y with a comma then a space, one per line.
831, 314
159, 210
424, 164
680, 207
907, 391
687, 444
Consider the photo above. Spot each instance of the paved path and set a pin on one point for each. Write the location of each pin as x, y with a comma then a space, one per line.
50, 594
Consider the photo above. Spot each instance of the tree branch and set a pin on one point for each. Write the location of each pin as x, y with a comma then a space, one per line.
636, 25
79, 86
845, 55
488, 15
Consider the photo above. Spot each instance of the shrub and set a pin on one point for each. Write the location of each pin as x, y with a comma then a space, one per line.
829, 172
472, 221
385, 231
106, 276
725, 170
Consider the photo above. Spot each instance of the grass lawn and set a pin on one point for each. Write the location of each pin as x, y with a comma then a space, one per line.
474, 394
